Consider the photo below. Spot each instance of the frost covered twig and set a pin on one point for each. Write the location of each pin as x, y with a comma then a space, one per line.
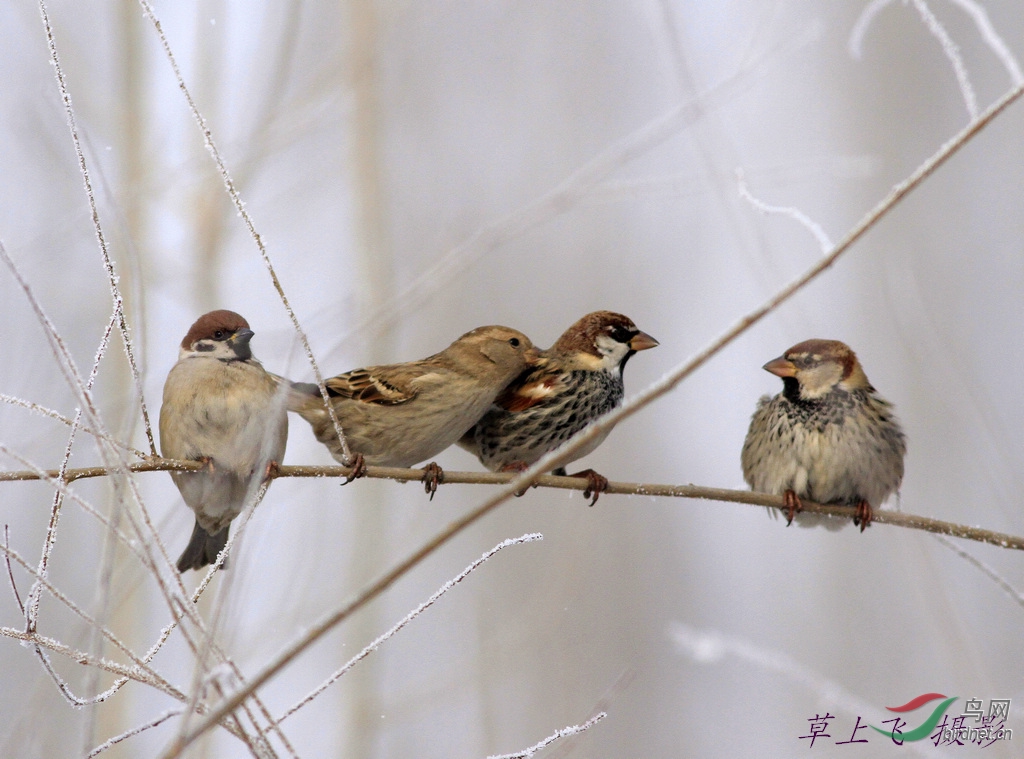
991, 573
134, 731
142, 665
791, 211
371, 647
565, 732
952, 53
972, 9
14, 401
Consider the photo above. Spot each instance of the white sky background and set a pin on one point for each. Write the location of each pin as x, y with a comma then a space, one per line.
372, 143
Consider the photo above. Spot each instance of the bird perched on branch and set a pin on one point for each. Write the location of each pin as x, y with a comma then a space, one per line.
578, 379
402, 414
828, 436
220, 407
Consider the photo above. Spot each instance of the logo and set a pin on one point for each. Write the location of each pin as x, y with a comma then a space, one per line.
925, 728
937, 726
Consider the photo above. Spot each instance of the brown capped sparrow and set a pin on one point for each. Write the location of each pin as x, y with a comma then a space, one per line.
828, 436
220, 407
578, 379
401, 414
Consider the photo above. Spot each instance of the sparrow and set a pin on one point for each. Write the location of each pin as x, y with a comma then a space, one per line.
828, 436
577, 380
223, 408
401, 414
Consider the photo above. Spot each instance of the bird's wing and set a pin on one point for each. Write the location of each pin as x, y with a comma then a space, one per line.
368, 386
533, 388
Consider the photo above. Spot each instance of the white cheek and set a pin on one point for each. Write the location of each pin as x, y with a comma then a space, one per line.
612, 351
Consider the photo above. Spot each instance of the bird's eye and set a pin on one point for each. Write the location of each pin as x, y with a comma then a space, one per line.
218, 335
514, 342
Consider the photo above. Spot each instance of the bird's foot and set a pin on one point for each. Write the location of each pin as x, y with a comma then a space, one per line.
862, 515
518, 467
792, 504
596, 484
433, 475
358, 464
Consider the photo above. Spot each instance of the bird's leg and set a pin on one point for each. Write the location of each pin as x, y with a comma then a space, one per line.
433, 475
862, 515
206, 461
517, 467
596, 483
358, 464
791, 502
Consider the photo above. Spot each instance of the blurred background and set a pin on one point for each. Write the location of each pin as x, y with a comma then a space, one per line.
419, 169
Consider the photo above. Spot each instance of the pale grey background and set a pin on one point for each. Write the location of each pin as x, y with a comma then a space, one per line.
373, 142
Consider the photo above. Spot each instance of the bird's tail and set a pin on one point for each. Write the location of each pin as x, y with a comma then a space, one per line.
203, 548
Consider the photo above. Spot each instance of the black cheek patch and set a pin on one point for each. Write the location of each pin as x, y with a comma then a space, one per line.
621, 335
791, 389
203, 346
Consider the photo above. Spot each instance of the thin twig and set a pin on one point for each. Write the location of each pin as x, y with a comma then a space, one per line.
373, 646
142, 665
988, 33
792, 212
134, 731
952, 52
87, 659
10, 572
44, 411
563, 733
991, 573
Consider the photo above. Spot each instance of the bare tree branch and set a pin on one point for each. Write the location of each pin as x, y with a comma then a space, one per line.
895, 518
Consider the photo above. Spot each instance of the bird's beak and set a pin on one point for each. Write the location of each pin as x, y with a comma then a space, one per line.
780, 367
242, 336
532, 356
642, 341
239, 343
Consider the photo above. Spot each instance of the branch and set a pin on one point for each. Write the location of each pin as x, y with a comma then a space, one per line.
895, 518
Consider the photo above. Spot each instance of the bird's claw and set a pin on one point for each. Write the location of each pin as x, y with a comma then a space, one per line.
433, 475
518, 467
358, 464
791, 502
596, 484
862, 515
